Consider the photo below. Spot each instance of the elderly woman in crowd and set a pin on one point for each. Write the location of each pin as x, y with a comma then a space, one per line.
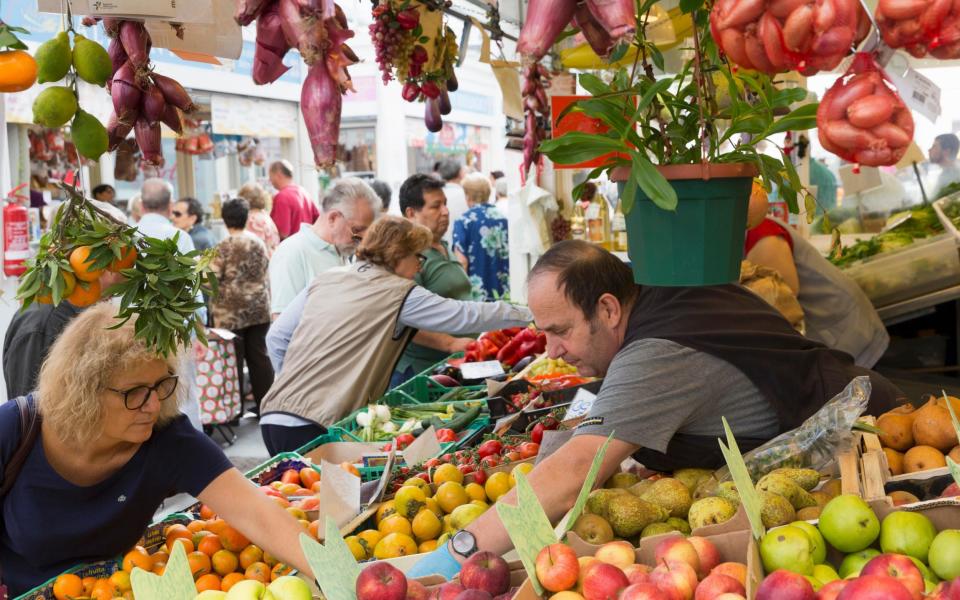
112, 444
335, 346
259, 222
480, 241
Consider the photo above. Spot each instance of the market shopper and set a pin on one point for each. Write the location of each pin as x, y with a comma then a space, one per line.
335, 346
423, 201
292, 205
943, 153
188, 216
259, 222
384, 192
452, 173
348, 210
480, 241
836, 311
104, 193
674, 361
111, 446
242, 304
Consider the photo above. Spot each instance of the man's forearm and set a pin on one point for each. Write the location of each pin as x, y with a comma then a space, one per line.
434, 340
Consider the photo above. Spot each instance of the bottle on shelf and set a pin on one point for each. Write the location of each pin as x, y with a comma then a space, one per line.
619, 230
597, 217
578, 226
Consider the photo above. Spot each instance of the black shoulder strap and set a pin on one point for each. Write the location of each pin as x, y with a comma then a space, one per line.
29, 429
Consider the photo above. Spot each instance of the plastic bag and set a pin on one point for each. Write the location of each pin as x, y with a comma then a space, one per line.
814, 444
921, 26
862, 118
788, 35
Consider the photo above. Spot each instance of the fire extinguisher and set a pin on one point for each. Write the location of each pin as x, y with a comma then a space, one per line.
16, 239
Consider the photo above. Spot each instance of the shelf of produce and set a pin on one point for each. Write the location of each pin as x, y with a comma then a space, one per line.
915, 307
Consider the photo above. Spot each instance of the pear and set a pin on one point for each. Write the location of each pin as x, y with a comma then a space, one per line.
776, 483
775, 510
821, 498
831, 488
710, 511
805, 478
621, 480
598, 500
628, 514
705, 488
593, 529
680, 525
691, 477
671, 495
728, 490
657, 529
640, 487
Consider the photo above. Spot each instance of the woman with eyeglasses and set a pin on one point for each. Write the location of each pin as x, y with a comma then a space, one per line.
112, 444
335, 346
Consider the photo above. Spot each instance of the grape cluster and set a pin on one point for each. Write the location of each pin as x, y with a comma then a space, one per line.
390, 44
560, 228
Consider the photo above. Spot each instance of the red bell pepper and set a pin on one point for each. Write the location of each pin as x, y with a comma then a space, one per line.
514, 350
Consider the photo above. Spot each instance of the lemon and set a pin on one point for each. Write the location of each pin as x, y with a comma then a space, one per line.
447, 472
394, 545
434, 507
524, 468
395, 524
53, 58
91, 61
417, 482
480, 503
497, 485
451, 495
426, 526
54, 106
356, 548
475, 492
89, 135
409, 500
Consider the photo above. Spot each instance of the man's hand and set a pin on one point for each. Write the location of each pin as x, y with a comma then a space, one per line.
459, 344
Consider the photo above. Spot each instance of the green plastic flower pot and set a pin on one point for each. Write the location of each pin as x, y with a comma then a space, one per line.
701, 243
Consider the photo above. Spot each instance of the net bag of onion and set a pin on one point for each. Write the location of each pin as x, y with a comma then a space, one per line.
862, 118
774, 36
921, 26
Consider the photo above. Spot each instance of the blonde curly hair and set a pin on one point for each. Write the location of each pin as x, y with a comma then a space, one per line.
390, 239
255, 195
81, 364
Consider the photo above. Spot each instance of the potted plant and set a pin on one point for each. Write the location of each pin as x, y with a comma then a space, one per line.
685, 152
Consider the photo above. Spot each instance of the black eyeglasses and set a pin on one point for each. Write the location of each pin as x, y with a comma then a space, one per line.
177, 214
356, 234
136, 397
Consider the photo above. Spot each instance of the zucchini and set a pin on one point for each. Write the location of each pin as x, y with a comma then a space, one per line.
458, 422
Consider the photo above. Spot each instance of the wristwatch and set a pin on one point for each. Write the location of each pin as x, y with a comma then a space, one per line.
463, 543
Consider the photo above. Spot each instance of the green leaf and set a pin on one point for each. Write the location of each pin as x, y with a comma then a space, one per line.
8, 40
593, 84
576, 147
656, 56
629, 195
653, 184
619, 51
809, 207
688, 6
799, 119
749, 497
786, 97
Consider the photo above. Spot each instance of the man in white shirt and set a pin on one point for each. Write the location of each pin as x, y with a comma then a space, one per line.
451, 171
348, 210
944, 154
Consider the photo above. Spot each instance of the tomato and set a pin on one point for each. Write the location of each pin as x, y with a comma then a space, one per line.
432, 463
488, 462
465, 469
387, 447
424, 476
446, 435
447, 458
480, 477
512, 456
290, 476
308, 477
404, 440
536, 434
528, 449
490, 448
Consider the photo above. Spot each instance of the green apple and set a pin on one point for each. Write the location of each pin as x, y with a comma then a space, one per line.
816, 583
929, 586
818, 548
786, 547
848, 524
289, 587
924, 570
211, 595
248, 589
907, 533
825, 573
945, 554
853, 563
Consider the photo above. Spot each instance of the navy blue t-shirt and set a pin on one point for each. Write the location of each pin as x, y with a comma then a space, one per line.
48, 524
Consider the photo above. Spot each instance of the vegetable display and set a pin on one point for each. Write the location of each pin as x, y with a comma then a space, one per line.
862, 118
921, 26
923, 223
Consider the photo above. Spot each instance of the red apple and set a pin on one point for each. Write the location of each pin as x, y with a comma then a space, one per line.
486, 571
474, 595
708, 553
831, 590
416, 590
785, 585
603, 581
637, 573
900, 568
449, 591
643, 591
951, 490
734, 569
619, 554
557, 567
676, 576
730, 596
874, 587
715, 585
381, 581
678, 549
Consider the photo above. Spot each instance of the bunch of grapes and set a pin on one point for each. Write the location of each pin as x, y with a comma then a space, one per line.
393, 39
560, 228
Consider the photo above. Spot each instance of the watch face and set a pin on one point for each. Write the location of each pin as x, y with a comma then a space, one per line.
464, 543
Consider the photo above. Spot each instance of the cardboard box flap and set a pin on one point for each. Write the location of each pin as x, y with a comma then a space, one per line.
338, 452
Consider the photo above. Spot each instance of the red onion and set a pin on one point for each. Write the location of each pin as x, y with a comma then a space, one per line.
248, 10
598, 38
126, 94
431, 115
174, 93
116, 131
444, 103
270, 48
136, 42
118, 55
321, 103
349, 53
545, 21
111, 26
153, 105
617, 17
452, 83
305, 34
148, 139
171, 117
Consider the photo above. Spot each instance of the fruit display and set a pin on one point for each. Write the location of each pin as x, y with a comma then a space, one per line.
919, 439
862, 118
484, 576
379, 422
920, 26
554, 368
852, 553
18, 70
489, 344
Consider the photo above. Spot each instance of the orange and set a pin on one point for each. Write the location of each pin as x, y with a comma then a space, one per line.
208, 582
104, 590
199, 564
314, 529
82, 265
250, 555
128, 256
121, 581
259, 571
350, 468
210, 545
85, 294
196, 526
159, 568
395, 524
18, 71
46, 297
224, 562
67, 586
216, 526
233, 540
230, 580
88, 585
308, 477
270, 559
160, 556
187, 544
137, 557
279, 570
206, 513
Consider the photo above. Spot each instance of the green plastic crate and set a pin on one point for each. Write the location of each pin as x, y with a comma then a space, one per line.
102, 569
333, 434
272, 469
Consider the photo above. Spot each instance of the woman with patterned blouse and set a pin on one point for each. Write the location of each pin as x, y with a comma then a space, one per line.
243, 302
480, 241
259, 222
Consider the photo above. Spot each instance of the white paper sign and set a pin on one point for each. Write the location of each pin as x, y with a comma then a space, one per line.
339, 494
918, 92
423, 448
487, 369
581, 404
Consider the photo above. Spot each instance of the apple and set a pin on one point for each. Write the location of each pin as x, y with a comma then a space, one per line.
951, 490
708, 554
603, 581
211, 595
248, 589
898, 567
416, 590
557, 567
637, 573
679, 549
848, 523
730, 597
486, 571
619, 554
874, 587
734, 569
853, 563
907, 533
786, 547
565, 595
832, 589
380, 581
474, 595
584, 562
818, 547
643, 591
824, 573
785, 585
675, 576
449, 591
944, 554
289, 587
716, 585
